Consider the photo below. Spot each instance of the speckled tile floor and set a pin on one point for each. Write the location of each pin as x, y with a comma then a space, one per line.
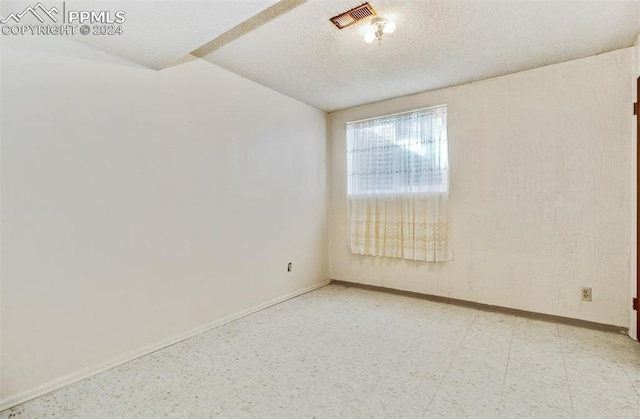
347, 352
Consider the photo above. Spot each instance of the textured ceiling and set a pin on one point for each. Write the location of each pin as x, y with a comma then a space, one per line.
436, 44
291, 47
156, 33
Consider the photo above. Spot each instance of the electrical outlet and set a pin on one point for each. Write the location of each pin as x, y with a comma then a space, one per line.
289, 267
585, 294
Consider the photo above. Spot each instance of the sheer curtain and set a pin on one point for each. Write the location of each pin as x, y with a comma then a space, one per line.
398, 186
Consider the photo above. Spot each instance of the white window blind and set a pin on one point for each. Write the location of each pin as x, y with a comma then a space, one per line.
404, 153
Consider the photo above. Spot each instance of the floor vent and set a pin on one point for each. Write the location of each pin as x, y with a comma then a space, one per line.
352, 16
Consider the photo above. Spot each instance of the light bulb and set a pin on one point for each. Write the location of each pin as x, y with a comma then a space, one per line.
369, 37
390, 27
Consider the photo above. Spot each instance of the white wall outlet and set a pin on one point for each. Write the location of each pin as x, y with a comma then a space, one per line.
585, 294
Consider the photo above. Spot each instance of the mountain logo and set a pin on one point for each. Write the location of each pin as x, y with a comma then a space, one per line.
16, 17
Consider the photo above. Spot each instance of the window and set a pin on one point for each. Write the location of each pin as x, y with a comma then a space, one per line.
404, 153
398, 186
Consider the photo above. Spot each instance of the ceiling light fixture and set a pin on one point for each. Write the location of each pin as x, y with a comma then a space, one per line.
378, 27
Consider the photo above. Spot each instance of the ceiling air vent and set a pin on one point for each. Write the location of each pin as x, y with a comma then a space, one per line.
352, 16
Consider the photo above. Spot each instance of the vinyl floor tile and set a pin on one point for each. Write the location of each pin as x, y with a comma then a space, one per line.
342, 352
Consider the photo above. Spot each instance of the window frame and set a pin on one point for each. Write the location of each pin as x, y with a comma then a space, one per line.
427, 189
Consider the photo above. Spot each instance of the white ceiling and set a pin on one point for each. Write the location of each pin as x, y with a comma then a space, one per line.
436, 44
156, 33
291, 47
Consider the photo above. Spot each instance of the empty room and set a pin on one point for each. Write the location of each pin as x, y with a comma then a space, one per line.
319, 209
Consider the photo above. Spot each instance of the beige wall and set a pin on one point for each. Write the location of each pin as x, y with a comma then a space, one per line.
540, 192
139, 205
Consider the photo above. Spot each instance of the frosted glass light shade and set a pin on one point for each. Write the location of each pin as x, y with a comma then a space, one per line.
390, 27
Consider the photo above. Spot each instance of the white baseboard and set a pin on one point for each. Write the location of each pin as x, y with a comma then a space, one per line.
633, 327
11, 401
